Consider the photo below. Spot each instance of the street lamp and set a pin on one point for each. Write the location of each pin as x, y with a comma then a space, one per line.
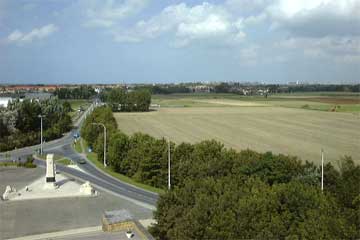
169, 148
322, 169
41, 133
101, 124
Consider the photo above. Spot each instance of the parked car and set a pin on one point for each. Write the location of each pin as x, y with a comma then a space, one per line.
82, 161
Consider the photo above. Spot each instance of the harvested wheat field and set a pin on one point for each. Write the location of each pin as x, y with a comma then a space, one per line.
281, 130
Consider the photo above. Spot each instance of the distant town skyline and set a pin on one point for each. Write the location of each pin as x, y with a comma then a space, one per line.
144, 41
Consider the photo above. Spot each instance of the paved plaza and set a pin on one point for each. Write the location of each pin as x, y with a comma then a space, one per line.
29, 217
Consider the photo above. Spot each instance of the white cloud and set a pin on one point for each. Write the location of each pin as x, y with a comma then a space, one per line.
317, 18
37, 33
15, 36
341, 49
106, 13
248, 8
205, 21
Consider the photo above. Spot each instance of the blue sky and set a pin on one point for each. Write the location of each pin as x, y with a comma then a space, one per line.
152, 41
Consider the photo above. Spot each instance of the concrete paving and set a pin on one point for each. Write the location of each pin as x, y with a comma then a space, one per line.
22, 218
65, 187
18, 177
102, 236
90, 233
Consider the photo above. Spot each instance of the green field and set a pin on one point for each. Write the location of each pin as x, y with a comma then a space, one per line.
276, 124
339, 102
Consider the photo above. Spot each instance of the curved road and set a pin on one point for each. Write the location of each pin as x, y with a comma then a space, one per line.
90, 172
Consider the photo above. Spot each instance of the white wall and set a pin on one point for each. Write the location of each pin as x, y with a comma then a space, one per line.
4, 101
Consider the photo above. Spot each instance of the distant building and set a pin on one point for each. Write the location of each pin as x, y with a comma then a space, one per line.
294, 83
38, 96
30, 88
201, 89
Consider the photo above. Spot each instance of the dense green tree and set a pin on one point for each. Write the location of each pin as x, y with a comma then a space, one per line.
348, 186
240, 208
67, 107
22, 122
4, 131
269, 167
82, 92
146, 159
28, 119
91, 132
118, 150
121, 101
181, 163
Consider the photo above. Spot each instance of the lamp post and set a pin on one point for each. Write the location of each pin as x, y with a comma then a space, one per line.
169, 179
101, 124
322, 169
41, 133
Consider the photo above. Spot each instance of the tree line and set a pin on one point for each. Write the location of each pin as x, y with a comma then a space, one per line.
281, 88
220, 193
82, 92
20, 122
169, 89
121, 100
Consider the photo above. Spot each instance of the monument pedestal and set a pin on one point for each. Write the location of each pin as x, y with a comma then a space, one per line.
50, 168
50, 185
87, 189
50, 179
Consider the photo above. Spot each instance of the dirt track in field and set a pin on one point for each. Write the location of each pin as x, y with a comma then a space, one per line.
330, 100
336, 100
281, 130
233, 103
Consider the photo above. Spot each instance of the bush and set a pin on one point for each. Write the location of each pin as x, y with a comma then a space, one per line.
305, 106
29, 163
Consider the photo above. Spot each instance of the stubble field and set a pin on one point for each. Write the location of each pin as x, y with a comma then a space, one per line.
262, 127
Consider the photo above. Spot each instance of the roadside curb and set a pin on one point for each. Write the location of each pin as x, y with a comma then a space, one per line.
54, 235
84, 155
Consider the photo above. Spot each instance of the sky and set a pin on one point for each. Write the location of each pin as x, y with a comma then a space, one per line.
172, 41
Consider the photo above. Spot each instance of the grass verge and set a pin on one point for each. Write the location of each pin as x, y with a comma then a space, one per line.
77, 147
8, 164
57, 158
43, 157
93, 158
64, 161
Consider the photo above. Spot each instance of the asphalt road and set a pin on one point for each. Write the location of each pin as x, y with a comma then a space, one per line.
95, 176
67, 139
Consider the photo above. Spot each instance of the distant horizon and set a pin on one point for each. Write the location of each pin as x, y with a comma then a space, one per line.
179, 83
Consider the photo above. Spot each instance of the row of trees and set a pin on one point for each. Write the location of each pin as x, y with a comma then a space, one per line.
325, 88
124, 101
169, 89
219, 193
20, 122
280, 88
82, 92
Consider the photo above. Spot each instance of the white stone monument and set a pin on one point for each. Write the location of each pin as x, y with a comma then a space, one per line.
87, 189
7, 192
10, 192
50, 168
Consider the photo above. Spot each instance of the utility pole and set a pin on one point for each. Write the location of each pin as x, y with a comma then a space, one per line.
101, 124
41, 134
169, 148
322, 169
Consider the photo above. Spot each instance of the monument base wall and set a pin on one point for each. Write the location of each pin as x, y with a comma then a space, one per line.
50, 179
